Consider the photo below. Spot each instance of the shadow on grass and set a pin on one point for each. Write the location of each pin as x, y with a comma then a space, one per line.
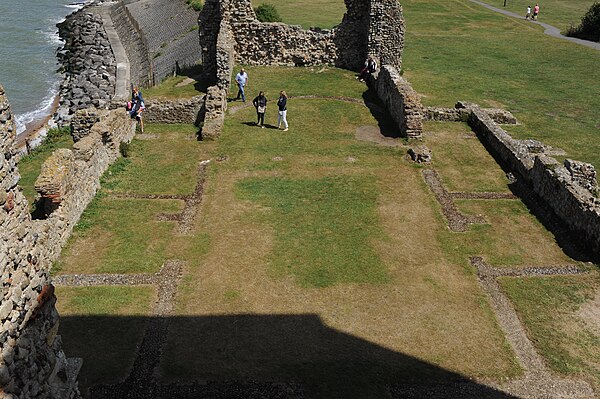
573, 246
254, 356
386, 124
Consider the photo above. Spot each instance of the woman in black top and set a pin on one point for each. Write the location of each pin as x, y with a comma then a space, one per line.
260, 103
282, 117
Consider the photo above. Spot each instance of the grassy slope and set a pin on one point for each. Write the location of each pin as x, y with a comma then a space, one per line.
458, 50
559, 13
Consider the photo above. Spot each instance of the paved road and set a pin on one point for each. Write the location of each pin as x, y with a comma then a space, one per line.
548, 29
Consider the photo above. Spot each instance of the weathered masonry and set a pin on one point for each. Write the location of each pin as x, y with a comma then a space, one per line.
230, 34
32, 363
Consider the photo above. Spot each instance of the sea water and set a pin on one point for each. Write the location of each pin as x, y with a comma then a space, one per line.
28, 64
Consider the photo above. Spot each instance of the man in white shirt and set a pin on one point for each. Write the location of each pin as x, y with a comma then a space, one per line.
242, 80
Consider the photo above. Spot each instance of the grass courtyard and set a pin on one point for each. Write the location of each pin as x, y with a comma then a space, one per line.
320, 257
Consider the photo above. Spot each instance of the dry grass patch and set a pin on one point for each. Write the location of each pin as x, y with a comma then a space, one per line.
550, 308
461, 160
512, 237
103, 325
126, 233
425, 320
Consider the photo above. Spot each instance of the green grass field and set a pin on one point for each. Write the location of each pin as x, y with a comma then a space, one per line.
559, 315
319, 256
558, 13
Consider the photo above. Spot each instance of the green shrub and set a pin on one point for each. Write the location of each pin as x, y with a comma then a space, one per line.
267, 13
589, 28
195, 4
56, 133
124, 149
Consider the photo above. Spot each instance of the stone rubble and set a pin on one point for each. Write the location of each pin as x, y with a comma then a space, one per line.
88, 64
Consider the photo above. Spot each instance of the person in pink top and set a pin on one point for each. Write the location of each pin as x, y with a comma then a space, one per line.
536, 11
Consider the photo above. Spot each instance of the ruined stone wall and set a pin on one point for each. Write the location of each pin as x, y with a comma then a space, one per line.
401, 101
32, 363
70, 179
570, 190
231, 33
174, 111
276, 43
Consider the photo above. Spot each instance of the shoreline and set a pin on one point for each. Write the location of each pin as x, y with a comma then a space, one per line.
36, 130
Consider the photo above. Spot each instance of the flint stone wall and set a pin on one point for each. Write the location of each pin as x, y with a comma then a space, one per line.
32, 363
569, 190
373, 27
231, 33
174, 111
401, 100
462, 110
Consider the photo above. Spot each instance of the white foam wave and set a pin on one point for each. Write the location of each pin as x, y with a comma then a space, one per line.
42, 110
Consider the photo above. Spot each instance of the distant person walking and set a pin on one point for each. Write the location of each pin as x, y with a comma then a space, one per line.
536, 11
282, 115
260, 103
528, 14
242, 80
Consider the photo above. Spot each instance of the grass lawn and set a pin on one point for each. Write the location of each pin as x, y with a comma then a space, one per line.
165, 165
560, 314
119, 236
559, 13
175, 87
320, 13
103, 325
324, 256
30, 165
460, 51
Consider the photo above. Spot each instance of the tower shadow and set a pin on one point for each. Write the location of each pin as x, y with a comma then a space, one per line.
259, 356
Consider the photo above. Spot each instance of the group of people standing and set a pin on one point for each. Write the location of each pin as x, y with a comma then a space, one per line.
260, 102
536, 11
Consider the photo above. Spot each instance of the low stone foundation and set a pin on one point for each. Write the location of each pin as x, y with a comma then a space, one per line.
462, 110
569, 190
174, 111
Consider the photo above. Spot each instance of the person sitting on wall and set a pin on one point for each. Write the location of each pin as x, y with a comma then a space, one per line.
369, 67
137, 107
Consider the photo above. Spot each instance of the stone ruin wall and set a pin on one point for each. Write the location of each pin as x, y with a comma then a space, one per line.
569, 190
230, 33
32, 363
174, 111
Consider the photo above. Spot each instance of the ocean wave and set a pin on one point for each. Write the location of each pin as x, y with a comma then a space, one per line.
43, 110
